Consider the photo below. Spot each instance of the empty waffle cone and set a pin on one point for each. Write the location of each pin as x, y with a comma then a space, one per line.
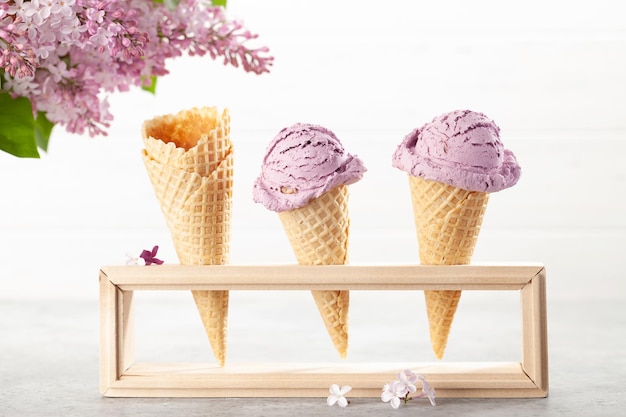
447, 221
193, 183
318, 233
199, 140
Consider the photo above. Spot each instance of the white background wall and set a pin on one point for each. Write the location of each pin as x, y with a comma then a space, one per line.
551, 74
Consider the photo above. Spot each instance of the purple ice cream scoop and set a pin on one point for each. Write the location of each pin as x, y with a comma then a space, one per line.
461, 148
301, 163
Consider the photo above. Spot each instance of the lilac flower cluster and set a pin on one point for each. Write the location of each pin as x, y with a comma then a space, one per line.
63, 54
403, 389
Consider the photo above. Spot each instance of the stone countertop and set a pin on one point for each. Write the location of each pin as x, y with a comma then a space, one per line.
49, 367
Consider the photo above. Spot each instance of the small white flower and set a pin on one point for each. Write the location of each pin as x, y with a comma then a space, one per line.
407, 380
337, 395
134, 260
393, 392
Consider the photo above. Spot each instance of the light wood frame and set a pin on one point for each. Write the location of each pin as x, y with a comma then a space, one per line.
121, 377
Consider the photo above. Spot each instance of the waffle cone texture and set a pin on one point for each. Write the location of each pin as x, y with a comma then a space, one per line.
318, 233
447, 221
189, 160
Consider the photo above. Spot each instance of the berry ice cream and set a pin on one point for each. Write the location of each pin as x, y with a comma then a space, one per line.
303, 162
461, 148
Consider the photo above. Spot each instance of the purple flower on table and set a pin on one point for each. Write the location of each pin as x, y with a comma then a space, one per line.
150, 256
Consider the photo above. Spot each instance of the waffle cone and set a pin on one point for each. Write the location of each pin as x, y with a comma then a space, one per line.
193, 184
318, 233
447, 221
195, 140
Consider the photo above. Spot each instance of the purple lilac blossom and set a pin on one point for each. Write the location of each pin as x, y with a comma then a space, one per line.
64, 54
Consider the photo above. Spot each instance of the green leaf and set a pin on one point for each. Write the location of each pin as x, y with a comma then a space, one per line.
17, 127
171, 4
43, 129
152, 87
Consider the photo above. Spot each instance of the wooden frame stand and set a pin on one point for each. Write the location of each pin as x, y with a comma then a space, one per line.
121, 377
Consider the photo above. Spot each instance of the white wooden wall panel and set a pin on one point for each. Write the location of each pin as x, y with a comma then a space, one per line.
551, 74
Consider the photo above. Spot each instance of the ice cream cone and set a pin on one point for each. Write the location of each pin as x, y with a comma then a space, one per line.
447, 221
453, 163
318, 233
189, 161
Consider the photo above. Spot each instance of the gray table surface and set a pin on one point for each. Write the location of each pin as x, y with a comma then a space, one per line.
49, 367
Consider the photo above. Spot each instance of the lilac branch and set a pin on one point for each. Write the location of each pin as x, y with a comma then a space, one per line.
62, 55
